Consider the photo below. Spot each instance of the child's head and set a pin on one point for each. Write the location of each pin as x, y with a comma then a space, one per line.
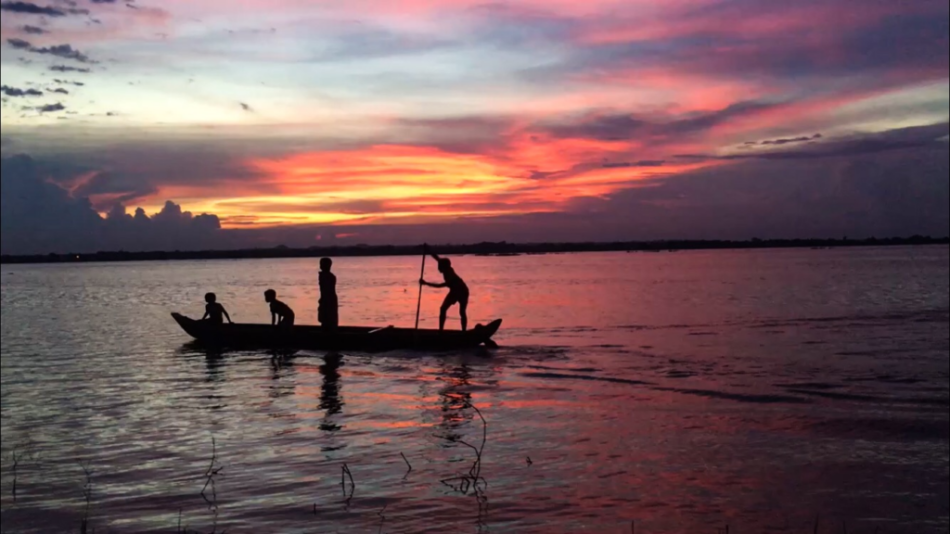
326, 264
270, 295
444, 265
211, 298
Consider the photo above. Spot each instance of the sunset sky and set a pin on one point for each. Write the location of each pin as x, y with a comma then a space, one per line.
303, 121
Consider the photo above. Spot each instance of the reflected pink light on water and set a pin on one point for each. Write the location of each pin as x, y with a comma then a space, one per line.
685, 392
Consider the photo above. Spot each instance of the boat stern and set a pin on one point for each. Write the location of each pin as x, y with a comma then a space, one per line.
485, 333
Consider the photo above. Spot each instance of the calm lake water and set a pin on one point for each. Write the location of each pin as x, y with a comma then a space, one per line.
681, 391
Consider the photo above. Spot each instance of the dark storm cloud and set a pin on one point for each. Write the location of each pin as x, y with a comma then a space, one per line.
706, 121
115, 188
39, 217
907, 40
34, 210
859, 145
787, 141
64, 51
51, 108
896, 193
16, 93
19, 44
28, 8
65, 68
625, 165
472, 134
623, 127
131, 171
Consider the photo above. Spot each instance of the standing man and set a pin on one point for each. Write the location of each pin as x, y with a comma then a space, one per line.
458, 291
329, 311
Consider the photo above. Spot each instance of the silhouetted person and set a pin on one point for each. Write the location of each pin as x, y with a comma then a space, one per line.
215, 312
329, 310
458, 291
281, 314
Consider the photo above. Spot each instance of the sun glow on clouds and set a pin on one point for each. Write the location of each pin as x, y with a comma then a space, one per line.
391, 183
416, 110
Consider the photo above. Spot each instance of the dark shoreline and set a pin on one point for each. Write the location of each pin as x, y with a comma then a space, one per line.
490, 249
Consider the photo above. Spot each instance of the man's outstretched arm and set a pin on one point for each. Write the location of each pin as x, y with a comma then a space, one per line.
433, 254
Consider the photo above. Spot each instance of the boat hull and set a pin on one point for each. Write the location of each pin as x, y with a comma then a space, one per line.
363, 339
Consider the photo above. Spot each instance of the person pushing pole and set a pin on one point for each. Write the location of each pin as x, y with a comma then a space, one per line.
458, 290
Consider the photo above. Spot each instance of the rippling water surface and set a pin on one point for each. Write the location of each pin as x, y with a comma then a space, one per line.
683, 392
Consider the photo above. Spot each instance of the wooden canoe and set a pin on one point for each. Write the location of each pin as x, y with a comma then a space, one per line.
352, 338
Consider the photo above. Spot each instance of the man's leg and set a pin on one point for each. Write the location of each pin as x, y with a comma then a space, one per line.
463, 312
442, 313
449, 301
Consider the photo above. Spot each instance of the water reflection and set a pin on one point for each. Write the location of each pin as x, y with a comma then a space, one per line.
330, 392
454, 401
103, 385
214, 376
214, 368
283, 376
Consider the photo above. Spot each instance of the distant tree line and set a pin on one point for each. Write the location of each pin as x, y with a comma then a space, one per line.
483, 249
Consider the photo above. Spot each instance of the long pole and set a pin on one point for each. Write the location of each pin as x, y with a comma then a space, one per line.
421, 277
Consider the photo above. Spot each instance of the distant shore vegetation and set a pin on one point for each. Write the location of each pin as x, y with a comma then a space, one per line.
479, 249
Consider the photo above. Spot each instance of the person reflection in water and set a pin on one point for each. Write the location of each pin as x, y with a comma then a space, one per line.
281, 314
458, 291
282, 373
214, 311
455, 398
330, 392
329, 310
